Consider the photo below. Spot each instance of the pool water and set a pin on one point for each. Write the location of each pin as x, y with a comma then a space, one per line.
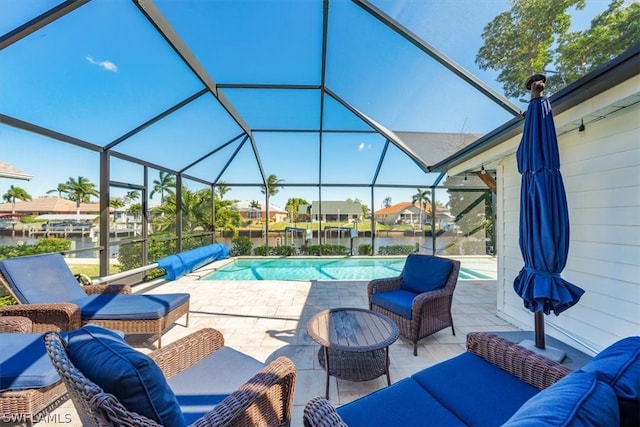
318, 269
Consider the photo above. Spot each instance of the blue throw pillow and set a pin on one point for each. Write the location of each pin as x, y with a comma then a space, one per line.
133, 377
619, 366
578, 399
425, 273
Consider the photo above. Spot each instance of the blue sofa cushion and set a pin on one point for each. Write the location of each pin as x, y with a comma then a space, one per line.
475, 390
24, 363
128, 307
203, 385
405, 403
41, 279
133, 377
578, 399
398, 301
425, 273
619, 366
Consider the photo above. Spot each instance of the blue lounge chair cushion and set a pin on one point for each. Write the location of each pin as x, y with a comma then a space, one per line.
578, 399
41, 279
133, 377
406, 403
24, 363
489, 394
619, 366
202, 386
398, 301
129, 307
424, 274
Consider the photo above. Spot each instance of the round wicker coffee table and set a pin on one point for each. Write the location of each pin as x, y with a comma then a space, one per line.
355, 343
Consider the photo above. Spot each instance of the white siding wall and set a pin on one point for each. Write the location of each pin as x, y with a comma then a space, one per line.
601, 172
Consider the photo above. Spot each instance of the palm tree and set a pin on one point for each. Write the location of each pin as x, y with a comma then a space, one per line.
222, 189
255, 206
60, 190
422, 199
15, 193
80, 191
165, 183
386, 203
273, 184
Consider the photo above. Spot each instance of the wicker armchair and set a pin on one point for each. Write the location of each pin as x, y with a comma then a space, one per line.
264, 400
429, 311
24, 406
49, 295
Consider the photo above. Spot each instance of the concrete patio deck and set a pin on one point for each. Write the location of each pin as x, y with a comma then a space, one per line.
267, 319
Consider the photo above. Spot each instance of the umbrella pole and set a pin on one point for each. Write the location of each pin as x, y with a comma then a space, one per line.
539, 329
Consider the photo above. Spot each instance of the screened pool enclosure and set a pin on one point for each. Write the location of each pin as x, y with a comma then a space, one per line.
176, 110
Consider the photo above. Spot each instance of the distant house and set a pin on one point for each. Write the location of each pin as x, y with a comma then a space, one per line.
331, 211
249, 213
48, 205
408, 213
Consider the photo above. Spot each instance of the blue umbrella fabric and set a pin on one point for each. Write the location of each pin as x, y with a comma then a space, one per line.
544, 217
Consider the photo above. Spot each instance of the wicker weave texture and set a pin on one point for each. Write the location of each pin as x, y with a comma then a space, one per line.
265, 400
430, 311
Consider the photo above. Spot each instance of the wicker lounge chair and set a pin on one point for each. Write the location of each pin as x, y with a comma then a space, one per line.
23, 405
419, 300
49, 294
265, 398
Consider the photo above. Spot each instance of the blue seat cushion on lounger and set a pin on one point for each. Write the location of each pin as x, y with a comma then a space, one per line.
477, 391
398, 301
406, 403
129, 307
41, 279
619, 366
577, 400
205, 384
425, 273
24, 363
134, 378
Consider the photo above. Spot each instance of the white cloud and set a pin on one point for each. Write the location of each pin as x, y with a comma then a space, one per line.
106, 65
364, 146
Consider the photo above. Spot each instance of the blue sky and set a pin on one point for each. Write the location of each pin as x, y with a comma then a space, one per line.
102, 70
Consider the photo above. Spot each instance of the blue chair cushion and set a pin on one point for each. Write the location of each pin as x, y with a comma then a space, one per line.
425, 273
41, 279
477, 391
133, 377
406, 403
578, 399
398, 301
205, 384
24, 362
619, 366
129, 307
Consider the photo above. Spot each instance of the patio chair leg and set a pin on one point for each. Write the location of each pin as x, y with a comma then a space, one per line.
452, 329
415, 348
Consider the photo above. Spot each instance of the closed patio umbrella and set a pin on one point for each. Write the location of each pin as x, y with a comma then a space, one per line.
544, 218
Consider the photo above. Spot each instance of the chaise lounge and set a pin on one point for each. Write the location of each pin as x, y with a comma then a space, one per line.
29, 385
49, 294
497, 382
194, 380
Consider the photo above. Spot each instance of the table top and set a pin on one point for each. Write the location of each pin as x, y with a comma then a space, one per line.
352, 329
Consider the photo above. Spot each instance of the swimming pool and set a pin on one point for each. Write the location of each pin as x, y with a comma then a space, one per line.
318, 269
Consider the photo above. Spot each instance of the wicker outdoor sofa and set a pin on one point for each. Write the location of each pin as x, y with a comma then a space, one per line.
497, 382
24, 403
195, 380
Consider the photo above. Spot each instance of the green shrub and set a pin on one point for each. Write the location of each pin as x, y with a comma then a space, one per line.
42, 246
365, 249
241, 246
318, 250
397, 250
273, 251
